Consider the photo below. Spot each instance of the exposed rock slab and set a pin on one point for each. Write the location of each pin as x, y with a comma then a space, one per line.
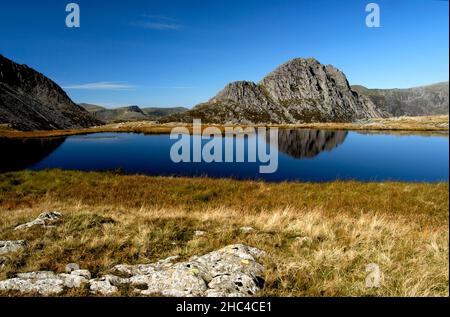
234, 265
11, 246
45, 219
43, 283
231, 271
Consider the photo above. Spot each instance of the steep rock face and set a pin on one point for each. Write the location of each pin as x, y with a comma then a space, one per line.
301, 90
417, 101
31, 101
311, 91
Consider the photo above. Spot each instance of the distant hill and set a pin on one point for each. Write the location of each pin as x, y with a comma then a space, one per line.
155, 112
301, 90
90, 107
417, 101
31, 101
129, 113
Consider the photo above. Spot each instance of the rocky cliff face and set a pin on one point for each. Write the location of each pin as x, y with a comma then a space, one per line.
31, 101
301, 90
418, 101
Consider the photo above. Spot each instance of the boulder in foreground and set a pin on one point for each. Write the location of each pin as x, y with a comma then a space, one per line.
229, 272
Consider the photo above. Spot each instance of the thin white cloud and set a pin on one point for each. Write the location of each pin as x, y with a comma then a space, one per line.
158, 26
159, 17
105, 85
158, 22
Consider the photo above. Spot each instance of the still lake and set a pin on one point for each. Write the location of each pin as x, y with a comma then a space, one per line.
305, 155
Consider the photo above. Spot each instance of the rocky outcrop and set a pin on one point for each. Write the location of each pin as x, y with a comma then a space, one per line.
45, 219
232, 271
301, 90
418, 101
31, 101
43, 283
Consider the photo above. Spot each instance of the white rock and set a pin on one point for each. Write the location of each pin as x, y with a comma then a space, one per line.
180, 280
45, 219
71, 267
231, 271
373, 279
11, 246
83, 273
247, 229
235, 283
102, 286
73, 281
46, 286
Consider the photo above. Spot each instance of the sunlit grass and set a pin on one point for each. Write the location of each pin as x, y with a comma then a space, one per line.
319, 237
399, 125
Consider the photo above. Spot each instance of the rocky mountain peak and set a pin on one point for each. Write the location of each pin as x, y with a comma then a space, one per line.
300, 90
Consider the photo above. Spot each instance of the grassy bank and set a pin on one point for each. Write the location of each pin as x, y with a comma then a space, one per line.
402, 125
319, 237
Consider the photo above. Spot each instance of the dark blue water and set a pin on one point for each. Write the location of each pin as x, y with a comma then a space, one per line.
306, 155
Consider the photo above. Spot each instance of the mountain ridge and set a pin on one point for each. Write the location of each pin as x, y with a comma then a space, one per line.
31, 101
129, 113
432, 99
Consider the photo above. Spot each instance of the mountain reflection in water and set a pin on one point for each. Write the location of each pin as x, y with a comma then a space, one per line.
308, 143
18, 154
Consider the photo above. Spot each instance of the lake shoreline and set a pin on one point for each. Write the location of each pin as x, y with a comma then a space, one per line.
319, 236
427, 125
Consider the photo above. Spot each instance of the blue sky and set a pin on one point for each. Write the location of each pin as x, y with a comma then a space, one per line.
179, 53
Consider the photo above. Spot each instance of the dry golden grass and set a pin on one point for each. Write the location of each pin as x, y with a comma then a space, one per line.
403, 125
319, 237
397, 124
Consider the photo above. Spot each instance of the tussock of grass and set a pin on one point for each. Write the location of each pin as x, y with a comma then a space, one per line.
319, 237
